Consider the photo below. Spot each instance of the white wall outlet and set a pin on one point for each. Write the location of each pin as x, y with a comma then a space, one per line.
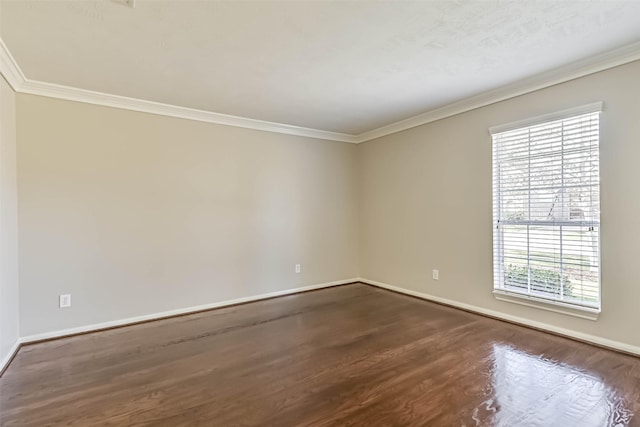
297, 268
435, 274
65, 300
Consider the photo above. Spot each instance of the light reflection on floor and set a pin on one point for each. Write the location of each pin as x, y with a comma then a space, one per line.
528, 390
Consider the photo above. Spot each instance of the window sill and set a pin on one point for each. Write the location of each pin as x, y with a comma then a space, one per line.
555, 306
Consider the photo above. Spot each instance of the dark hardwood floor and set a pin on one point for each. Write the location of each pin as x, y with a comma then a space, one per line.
347, 356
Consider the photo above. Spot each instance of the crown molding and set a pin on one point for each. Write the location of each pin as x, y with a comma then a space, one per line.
9, 68
90, 97
574, 70
613, 58
16, 79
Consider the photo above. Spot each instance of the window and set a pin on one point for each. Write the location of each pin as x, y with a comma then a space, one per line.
546, 209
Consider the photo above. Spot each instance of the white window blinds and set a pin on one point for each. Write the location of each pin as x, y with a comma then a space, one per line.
546, 209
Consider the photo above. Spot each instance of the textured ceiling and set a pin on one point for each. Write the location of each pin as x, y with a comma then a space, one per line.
337, 66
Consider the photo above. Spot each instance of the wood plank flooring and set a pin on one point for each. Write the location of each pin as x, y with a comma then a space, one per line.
347, 356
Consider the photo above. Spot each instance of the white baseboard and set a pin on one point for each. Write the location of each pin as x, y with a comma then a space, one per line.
9, 356
155, 316
604, 342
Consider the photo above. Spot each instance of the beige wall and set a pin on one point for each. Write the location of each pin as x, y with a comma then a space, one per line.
426, 203
8, 222
135, 213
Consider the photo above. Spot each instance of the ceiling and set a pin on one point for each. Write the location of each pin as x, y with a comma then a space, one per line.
347, 67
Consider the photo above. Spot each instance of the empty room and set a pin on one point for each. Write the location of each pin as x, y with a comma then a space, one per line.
319, 213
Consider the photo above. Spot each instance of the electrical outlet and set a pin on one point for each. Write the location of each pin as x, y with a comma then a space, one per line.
435, 274
65, 300
297, 268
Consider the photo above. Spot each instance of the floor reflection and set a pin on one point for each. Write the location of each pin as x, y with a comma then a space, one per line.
531, 391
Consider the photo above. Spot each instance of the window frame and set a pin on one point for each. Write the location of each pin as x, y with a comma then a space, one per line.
585, 311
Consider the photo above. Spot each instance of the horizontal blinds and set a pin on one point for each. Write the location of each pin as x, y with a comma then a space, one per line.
546, 209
